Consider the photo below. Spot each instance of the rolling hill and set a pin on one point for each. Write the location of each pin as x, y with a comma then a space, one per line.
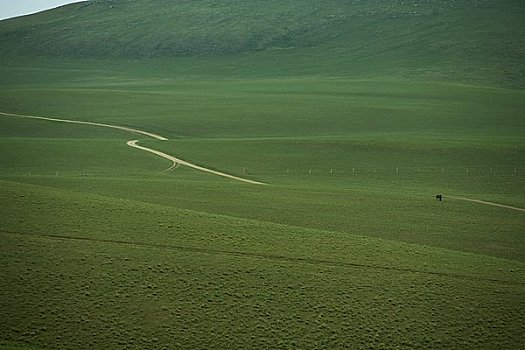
354, 114
474, 40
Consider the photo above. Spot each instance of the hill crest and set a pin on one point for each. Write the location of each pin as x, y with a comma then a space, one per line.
484, 35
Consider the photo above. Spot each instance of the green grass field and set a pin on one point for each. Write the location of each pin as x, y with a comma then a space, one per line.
468, 40
345, 248
354, 115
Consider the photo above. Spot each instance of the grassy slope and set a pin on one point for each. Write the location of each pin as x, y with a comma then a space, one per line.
214, 281
185, 103
277, 131
128, 257
295, 264
478, 40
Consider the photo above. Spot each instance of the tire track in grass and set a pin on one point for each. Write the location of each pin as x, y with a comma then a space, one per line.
487, 203
123, 128
190, 165
134, 144
177, 161
267, 256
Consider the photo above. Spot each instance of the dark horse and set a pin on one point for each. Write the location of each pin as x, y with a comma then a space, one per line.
439, 197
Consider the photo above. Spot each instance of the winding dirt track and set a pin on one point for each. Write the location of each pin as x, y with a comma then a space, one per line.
182, 162
133, 131
176, 161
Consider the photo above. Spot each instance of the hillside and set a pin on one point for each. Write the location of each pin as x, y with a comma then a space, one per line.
171, 278
355, 114
471, 40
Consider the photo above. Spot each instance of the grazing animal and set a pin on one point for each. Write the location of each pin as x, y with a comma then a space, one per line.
439, 197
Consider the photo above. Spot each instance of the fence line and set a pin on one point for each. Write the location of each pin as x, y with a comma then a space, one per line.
400, 171
309, 171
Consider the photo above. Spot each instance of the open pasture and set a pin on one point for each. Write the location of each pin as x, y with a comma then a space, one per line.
354, 114
127, 273
345, 247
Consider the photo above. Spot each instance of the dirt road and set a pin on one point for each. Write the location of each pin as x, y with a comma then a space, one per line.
487, 203
182, 162
176, 161
133, 131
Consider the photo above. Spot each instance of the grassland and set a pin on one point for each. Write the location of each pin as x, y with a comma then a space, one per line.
471, 40
354, 253
177, 278
355, 114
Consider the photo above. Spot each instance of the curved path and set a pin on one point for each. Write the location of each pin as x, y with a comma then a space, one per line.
134, 131
182, 162
176, 161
